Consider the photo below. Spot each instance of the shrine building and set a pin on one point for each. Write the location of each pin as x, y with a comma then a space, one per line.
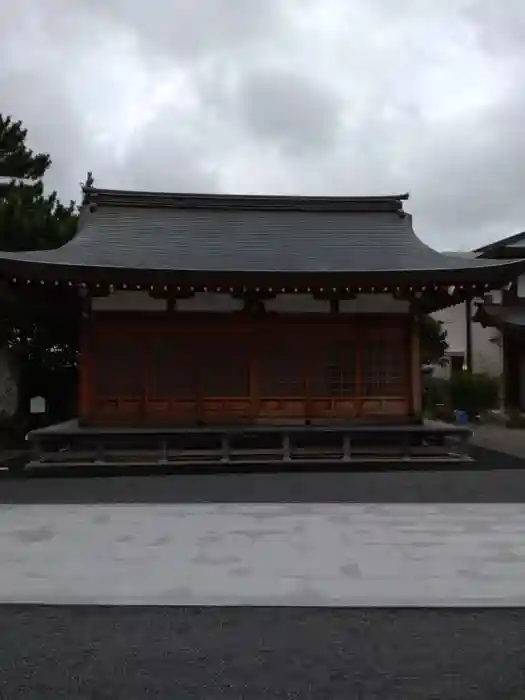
220, 313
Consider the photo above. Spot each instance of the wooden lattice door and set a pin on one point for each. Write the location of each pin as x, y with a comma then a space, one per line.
118, 363
172, 379
223, 367
231, 371
281, 370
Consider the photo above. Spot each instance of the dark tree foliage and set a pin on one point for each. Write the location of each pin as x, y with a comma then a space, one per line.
29, 219
16, 159
34, 323
433, 341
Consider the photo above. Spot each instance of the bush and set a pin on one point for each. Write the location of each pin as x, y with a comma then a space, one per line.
12, 431
474, 393
436, 397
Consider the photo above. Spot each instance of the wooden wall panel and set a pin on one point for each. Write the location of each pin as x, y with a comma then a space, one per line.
223, 364
164, 372
282, 363
172, 370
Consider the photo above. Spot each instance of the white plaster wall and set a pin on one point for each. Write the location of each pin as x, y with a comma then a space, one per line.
486, 354
127, 300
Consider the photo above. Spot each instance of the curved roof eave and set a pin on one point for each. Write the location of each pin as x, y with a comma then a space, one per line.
40, 265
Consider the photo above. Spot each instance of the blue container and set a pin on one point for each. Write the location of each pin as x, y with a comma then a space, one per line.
462, 417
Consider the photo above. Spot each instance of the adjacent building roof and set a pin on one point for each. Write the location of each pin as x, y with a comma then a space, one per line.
499, 316
509, 247
125, 234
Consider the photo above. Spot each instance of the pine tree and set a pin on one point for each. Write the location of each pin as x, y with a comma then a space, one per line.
433, 341
29, 219
16, 159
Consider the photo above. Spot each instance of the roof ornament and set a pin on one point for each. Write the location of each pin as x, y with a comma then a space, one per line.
402, 198
87, 187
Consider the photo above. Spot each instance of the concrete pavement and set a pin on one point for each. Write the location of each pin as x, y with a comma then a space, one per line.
247, 554
498, 437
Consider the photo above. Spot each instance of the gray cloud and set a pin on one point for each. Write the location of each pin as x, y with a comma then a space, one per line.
166, 156
290, 110
319, 96
500, 26
53, 127
190, 30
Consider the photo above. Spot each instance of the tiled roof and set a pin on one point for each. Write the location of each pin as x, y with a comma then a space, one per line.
165, 233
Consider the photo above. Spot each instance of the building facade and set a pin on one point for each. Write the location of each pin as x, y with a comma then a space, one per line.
505, 314
226, 309
487, 357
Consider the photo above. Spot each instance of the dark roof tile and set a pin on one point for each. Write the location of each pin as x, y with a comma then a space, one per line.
216, 233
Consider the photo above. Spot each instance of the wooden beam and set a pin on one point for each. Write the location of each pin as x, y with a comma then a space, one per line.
253, 294
170, 293
99, 291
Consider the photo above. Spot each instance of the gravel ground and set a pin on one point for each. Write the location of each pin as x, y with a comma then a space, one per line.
98, 653
254, 653
493, 478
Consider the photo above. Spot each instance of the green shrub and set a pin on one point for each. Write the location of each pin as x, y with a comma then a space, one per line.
436, 397
473, 393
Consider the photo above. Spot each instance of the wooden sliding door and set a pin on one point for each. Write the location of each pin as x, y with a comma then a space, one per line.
231, 371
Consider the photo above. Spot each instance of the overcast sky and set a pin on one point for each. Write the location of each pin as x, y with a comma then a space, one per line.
335, 97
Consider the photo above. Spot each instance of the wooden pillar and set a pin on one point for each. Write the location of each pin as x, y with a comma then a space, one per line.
84, 370
416, 387
511, 373
468, 339
358, 377
147, 339
84, 362
253, 340
502, 382
507, 394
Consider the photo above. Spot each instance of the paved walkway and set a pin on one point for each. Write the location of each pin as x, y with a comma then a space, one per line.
294, 555
500, 439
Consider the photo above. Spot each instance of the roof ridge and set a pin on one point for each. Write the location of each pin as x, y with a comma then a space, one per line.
180, 200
